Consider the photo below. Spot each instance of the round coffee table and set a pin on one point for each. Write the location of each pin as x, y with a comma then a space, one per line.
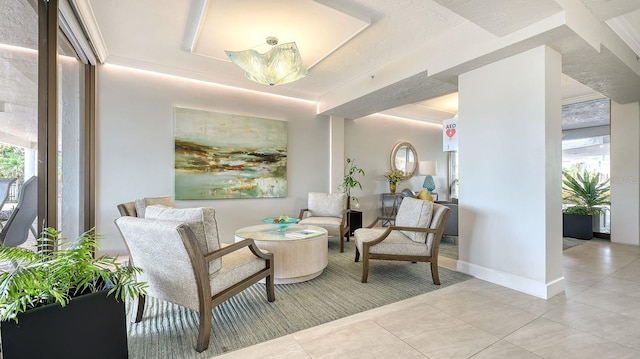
295, 260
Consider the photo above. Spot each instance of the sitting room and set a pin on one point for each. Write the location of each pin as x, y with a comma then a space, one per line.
114, 104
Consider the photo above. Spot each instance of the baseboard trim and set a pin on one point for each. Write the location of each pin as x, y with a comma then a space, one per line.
515, 282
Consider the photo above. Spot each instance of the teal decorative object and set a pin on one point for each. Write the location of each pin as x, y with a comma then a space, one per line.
428, 169
429, 184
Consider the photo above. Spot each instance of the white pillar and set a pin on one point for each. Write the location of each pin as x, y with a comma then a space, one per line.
336, 157
625, 173
510, 173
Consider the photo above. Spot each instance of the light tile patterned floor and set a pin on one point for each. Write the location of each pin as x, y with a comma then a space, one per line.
597, 317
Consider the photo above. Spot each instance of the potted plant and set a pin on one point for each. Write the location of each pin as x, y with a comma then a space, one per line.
588, 194
64, 299
350, 181
394, 176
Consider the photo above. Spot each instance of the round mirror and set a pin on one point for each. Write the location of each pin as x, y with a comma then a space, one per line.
404, 158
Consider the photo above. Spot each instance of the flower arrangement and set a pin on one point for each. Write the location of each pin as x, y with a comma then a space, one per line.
394, 176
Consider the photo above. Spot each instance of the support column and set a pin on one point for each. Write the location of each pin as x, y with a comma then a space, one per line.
510, 159
336, 157
625, 173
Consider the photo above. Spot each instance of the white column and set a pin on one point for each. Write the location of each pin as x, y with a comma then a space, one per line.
625, 173
510, 173
336, 157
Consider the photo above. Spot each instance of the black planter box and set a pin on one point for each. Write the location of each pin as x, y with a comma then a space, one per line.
89, 326
577, 226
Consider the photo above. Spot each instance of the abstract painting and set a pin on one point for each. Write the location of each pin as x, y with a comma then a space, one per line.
220, 155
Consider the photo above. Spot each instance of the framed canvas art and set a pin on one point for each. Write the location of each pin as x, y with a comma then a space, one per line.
219, 155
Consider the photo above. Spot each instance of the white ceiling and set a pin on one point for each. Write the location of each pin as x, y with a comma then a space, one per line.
400, 57
345, 44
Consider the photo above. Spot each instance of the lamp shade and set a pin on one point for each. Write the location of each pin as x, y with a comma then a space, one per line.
427, 168
280, 65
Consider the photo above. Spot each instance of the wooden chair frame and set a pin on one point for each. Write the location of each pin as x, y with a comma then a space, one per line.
435, 247
200, 265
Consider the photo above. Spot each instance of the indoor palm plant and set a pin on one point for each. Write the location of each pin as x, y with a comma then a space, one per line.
589, 194
64, 283
394, 176
350, 180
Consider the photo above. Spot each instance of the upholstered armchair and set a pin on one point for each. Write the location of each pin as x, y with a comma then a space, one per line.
415, 237
329, 211
183, 262
16, 230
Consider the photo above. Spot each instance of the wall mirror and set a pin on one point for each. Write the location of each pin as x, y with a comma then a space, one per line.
405, 158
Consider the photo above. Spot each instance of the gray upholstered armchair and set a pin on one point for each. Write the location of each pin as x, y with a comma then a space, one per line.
183, 262
329, 211
415, 237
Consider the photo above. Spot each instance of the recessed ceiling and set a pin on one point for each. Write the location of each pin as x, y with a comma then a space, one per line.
245, 24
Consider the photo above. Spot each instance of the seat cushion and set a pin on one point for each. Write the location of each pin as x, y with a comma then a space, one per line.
143, 203
414, 212
331, 224
396, 243
236, 266
327, 204
202, 222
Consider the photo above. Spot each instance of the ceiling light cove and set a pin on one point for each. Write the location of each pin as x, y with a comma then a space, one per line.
317, 29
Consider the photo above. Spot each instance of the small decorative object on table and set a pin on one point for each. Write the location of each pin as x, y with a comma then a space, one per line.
281, 223
394, 176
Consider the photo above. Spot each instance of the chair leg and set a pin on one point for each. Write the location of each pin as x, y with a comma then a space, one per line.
140, 310
434, 273
271, 294
365, 269
204, 330
357, 255
341, 244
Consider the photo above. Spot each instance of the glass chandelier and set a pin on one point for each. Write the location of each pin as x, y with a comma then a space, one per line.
279, 65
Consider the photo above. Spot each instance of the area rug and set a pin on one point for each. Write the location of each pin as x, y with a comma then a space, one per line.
449, 249
170, 331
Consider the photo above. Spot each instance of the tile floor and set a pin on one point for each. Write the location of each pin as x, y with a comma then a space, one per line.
598, 316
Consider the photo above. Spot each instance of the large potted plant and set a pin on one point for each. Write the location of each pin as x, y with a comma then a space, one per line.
588, 195
350, 180
63, 302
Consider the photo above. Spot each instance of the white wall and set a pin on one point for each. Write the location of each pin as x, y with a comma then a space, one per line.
370, 140
625, 173
135, 146
509, 123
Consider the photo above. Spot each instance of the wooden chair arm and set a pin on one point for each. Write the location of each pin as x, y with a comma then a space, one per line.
302, 213
381, 238
249, 242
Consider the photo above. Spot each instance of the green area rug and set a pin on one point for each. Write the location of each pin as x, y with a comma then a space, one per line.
170, 331
449, 249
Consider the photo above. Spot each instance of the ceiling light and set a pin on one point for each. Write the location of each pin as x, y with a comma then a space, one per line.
281, 64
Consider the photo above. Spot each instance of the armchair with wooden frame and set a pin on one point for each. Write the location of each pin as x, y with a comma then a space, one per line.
415, 236
329, 211
183, 262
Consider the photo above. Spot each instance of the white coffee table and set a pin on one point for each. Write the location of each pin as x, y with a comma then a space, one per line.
295, 260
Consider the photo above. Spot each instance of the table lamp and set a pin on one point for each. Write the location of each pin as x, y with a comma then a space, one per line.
428, 169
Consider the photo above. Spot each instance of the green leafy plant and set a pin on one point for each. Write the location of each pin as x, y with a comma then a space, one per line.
350, 180
394, 176
59, 271
577, 210
11, 162
586, 190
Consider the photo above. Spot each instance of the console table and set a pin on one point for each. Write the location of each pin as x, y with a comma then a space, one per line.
390, 204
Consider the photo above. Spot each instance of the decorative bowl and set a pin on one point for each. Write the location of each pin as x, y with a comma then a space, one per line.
280, 224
